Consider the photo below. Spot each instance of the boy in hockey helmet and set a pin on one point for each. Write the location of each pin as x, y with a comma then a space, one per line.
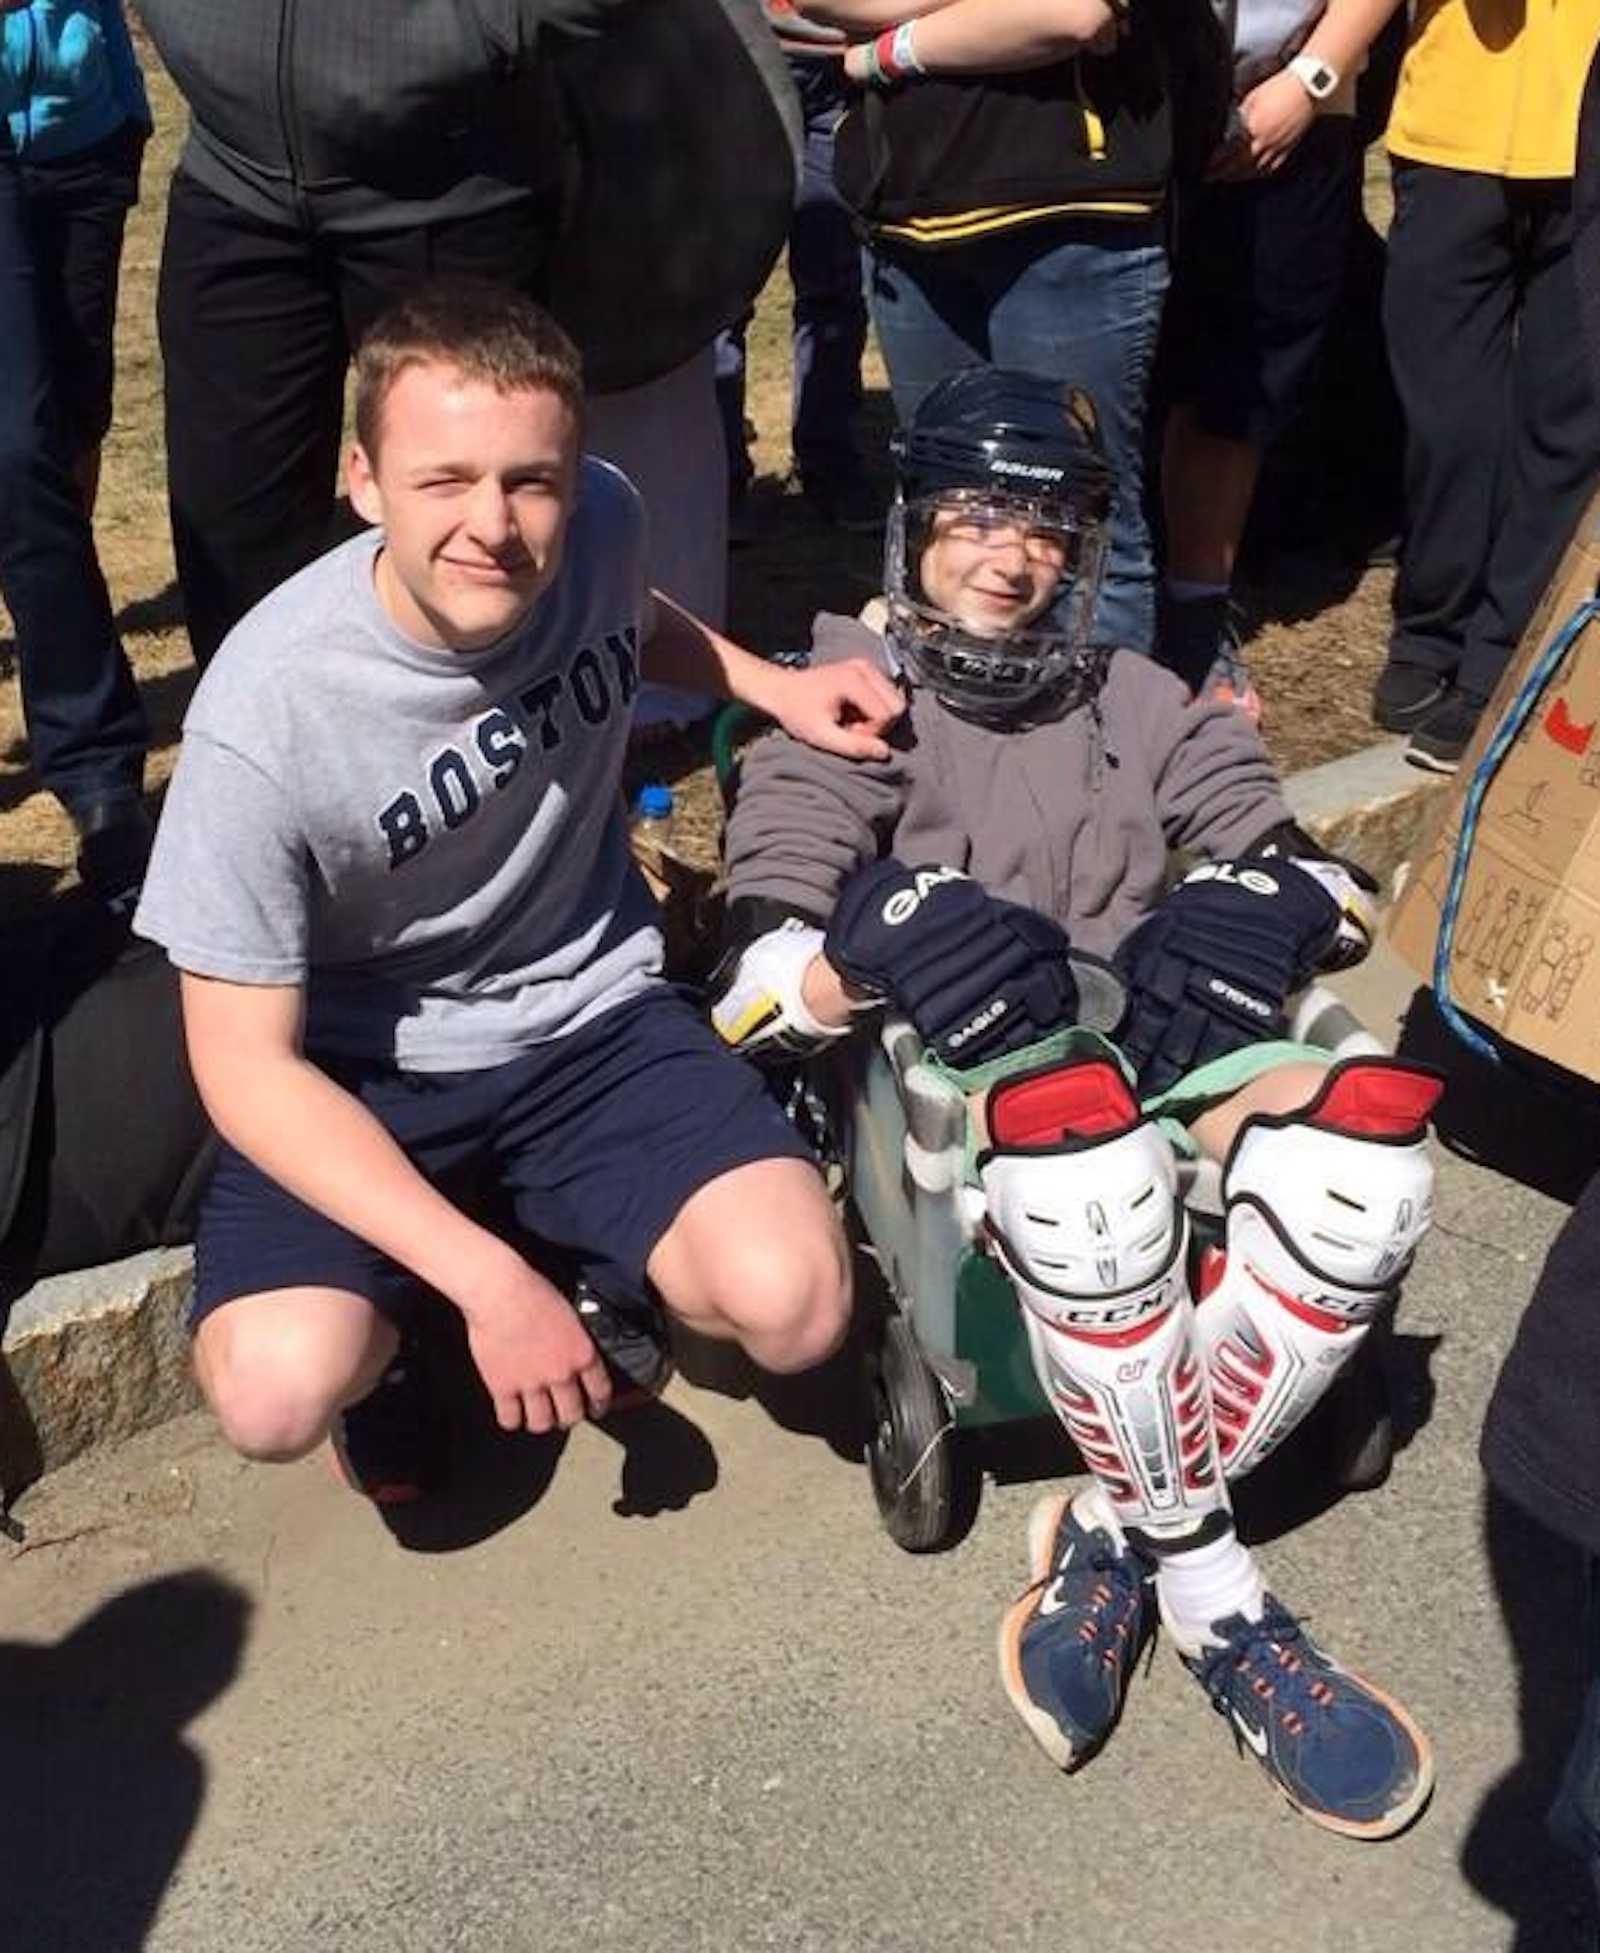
1032, 794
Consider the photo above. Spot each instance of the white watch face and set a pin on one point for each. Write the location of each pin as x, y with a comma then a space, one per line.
1318, 79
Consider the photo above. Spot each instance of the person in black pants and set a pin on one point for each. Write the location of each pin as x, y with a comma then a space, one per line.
1502, 413
1541, 1436
328, 171
73, 124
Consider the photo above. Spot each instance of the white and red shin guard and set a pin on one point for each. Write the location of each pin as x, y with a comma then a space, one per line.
1325, 1207
1082, 1207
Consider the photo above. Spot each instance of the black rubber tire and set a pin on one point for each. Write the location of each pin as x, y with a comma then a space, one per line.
911, 1449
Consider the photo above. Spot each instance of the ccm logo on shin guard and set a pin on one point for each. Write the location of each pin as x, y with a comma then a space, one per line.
905, 902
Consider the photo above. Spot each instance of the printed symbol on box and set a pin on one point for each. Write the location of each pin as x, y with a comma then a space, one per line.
1571, 970
1565, 730
1552, 954
1589, 772
1469, 932
1520, 938
1527, 816
1484, 961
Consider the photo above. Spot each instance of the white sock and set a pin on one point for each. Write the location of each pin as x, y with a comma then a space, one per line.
1092, 1508
1207, 1584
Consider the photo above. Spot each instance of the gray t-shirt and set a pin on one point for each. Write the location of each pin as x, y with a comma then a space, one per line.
432, 842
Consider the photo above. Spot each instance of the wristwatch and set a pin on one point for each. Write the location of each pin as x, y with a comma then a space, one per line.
1316, 77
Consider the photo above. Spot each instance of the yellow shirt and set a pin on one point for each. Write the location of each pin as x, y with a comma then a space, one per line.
1493, 85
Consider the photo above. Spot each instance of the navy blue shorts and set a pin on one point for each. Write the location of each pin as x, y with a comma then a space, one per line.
588, 1146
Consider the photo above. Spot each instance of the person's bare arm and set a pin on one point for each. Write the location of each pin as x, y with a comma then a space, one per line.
977, 36
858, 17
1277, 112
318, 1141
841, 707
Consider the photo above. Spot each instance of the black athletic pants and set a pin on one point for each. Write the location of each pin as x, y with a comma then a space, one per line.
1502, 423
258, 322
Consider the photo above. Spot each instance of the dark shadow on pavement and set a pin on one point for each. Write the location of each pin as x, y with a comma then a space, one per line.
1509, 1857
494, 1476
828, 1402
1525, 1118
1313, 1472
667, 1460
98, 1790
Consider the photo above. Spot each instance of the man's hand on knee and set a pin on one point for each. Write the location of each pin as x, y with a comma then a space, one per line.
536, 1359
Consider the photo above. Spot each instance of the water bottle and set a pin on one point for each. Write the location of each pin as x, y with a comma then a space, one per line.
652, 818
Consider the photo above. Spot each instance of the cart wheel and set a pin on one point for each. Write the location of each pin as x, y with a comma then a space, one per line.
925, 1498
1361, 1424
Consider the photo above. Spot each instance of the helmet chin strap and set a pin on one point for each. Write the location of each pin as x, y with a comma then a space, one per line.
1078, 683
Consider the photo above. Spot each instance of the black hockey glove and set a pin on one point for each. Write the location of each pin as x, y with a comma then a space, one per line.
1212, 969
978, 977
1350, 885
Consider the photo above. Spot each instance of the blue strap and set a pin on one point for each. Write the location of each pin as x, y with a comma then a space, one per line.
1542, 670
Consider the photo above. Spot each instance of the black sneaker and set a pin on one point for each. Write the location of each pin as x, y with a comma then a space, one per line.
1442, 737
1404, 696
391, 1447
632, 1340
114, 841
851, 504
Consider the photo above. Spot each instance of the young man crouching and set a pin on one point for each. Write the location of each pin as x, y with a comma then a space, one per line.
416, 957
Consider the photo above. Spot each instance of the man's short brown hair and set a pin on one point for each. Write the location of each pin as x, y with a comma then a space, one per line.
487, 332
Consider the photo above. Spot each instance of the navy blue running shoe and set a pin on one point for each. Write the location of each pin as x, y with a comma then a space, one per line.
1068, 1645
1345, 1755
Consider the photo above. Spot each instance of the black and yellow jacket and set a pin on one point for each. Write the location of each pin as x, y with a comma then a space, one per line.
949, 157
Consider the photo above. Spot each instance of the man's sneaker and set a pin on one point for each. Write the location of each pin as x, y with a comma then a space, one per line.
1404, 696
632, 1340
1344, 1754
392, 1445
1444, 735
1228, 682
1068, 1645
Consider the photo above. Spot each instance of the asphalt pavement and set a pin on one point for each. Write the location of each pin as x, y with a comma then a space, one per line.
669, 1686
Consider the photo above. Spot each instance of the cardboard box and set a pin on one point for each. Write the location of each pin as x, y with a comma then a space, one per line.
1525, 957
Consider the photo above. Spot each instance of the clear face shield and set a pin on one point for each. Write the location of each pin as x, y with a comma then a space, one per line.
990, 597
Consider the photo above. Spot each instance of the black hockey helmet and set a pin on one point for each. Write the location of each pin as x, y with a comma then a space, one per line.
1009, 463
999, 431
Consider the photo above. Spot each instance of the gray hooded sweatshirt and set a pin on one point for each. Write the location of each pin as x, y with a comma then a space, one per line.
1075, 816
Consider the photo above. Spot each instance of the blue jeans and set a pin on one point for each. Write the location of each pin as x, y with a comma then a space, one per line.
61, 227
1076, 300
830, 313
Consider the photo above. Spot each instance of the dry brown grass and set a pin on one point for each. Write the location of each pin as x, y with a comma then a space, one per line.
1314, 660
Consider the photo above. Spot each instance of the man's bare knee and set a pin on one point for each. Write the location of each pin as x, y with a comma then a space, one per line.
791, 1305
276, 1378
